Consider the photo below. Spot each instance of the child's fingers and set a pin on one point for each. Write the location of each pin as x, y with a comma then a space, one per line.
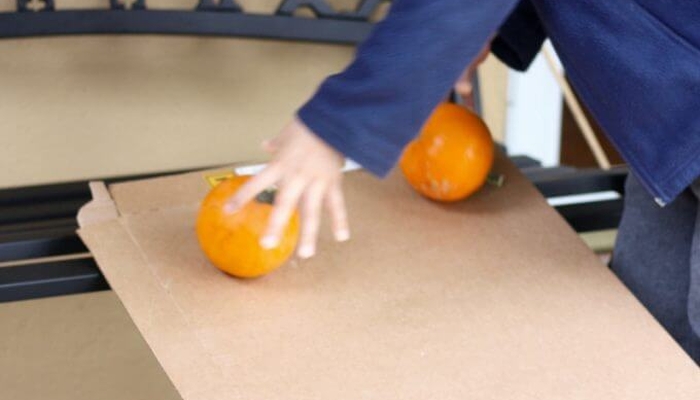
310, 219
266, 178
335, 203
286, 201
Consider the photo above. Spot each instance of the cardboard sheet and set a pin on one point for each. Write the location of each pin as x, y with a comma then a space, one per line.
492, 298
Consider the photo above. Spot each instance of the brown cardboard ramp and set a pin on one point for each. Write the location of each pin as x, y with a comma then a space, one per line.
493, 298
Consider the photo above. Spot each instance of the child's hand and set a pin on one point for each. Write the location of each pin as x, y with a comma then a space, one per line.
463, 87
308, 174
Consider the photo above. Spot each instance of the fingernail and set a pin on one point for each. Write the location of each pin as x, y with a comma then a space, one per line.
306, 251
342, 235
268, 242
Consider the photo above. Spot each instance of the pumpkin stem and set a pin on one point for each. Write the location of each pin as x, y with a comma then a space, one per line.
495, 179
266, 196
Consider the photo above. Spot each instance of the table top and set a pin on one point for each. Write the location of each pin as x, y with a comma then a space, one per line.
491, 298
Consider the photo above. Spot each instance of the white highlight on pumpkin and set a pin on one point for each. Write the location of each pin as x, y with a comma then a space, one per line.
435, 146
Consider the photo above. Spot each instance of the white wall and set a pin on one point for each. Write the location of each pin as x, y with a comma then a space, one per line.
533, 117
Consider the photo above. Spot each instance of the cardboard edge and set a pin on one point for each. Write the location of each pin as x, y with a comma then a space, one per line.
100, 209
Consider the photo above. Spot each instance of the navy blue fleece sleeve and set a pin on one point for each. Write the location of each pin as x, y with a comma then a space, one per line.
370, 111
520, 37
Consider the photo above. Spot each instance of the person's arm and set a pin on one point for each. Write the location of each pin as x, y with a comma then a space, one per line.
370, 111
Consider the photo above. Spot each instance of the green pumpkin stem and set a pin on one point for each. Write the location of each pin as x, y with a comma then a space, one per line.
495, 179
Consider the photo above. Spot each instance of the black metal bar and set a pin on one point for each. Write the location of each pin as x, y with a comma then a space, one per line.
182, 22
50, 279
595, 216
68, 223
39, 193
555, 182
46, 210
40, 243
525, 162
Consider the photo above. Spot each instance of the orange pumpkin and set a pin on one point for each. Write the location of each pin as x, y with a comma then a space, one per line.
231, 240
452, 156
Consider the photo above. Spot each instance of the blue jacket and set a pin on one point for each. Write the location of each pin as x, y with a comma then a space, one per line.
634, 63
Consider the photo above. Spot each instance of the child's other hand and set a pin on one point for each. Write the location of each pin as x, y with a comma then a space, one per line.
464, 87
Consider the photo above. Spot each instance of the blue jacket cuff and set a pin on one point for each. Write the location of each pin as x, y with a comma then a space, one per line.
367, 149
520, 37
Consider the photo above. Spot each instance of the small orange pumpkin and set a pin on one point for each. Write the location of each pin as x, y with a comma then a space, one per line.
231, 240
452, 156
